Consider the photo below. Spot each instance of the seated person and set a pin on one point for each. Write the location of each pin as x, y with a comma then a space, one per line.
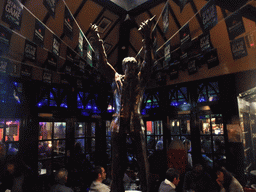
172, 179
16, 175
198, 180
97, 185
61, 179
227, 182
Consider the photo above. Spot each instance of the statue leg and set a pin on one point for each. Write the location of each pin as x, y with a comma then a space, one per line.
142, 159
118, 161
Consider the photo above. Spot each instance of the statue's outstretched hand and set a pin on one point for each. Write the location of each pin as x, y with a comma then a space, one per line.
95, 32
145, 27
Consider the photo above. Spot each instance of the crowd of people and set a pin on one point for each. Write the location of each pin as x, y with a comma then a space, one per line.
169, 172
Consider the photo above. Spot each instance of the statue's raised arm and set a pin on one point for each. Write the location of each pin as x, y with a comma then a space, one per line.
145, 30
106, 66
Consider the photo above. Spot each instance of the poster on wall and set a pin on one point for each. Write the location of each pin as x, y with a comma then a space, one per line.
12, 13
50, 6
26, 71
192, 66
235, 25
89, 55
212, 58
205, 42
51, 62
68, 24
209, 15
80, 43
47, 77
165, 16
238, 48
39, 33
3, 64
185, 38
30, 50
56, 45
5, 39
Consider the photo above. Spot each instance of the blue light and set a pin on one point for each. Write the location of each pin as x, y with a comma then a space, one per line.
88, 106
39, 104
15, 83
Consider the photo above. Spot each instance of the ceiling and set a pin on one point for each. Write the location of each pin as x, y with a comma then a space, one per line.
121, 20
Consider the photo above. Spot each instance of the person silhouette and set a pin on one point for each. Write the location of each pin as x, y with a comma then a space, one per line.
128, 92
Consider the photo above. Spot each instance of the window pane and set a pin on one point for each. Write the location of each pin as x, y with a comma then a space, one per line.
91, 130
79, 146
2, 129
12, 130
175, 127
205, 128
80, 129
59, 130
185, 126
44, 149
90, 145
158, 127
59, 147
12, 148
217, 124
45, 130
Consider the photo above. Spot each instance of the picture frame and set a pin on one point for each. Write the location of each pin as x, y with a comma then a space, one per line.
107, 46
104, 24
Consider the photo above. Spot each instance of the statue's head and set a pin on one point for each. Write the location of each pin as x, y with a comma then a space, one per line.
130, 65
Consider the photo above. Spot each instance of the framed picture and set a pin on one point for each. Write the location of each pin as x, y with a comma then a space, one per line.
104, 24
107, 47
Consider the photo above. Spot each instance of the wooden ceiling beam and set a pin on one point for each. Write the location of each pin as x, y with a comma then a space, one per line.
174, 16
198, 17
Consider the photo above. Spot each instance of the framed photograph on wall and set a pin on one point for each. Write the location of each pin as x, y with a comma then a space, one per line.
104, 24
107, 47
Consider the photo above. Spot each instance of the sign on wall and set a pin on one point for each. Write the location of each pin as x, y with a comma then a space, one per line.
30, 50
238, 48
51, 6
235, 25
12, 13
39, 33
209, 15
68, 23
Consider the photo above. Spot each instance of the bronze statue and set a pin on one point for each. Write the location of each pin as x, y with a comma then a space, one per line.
128, 93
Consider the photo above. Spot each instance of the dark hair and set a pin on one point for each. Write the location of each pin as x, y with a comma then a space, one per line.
227, 178
96, 171
171, 173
